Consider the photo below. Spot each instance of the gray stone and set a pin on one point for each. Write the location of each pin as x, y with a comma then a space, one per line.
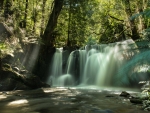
4, 32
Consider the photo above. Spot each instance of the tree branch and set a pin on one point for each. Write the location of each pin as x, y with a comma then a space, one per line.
115, 18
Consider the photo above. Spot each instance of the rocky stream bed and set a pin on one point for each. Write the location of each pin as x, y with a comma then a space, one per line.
67, 100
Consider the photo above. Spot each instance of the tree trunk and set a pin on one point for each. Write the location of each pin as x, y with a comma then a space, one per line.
141, 8
42, 20
47, 49
1, 4
134, 31
47, 37
7, 9
25, 16
35, 14
69, 11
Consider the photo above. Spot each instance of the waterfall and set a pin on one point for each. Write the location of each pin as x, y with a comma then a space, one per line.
82, 61
56, 68
56, 76
101, 65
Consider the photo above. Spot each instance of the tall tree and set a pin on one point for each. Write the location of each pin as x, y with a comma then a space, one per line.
42, 18
46, 50
133, 27
69, 19
26, 13
48, 37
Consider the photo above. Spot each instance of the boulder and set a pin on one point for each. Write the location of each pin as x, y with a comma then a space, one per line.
12, 79
124, 94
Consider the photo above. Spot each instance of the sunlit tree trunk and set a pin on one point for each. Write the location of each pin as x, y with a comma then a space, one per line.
43, 18
34, 17
26, 13
134, 31
141, 8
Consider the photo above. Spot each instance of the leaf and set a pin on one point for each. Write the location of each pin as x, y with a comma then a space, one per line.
147, 13
147, 30
144, 13
136, 16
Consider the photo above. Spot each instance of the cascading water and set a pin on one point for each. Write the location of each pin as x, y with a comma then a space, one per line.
100, 65
57, 78
67, 79
56, 69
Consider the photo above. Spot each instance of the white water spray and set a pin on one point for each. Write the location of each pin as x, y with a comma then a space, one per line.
97, 65
103, 62
57, 78
56, 69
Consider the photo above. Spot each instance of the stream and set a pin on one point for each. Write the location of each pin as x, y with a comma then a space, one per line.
68, 100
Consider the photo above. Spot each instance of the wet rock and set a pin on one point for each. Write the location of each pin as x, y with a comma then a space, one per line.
35, 82
145, 95
147, 109
124, 94
4, 93
23, 71
136, 101
109, 95
140, 98
9, 84
16, 69
145, 85
103, 111
11, 79
146, 105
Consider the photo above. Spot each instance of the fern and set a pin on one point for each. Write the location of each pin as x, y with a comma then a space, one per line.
145, 13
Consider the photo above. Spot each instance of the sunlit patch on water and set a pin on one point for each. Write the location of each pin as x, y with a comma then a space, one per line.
2, 97
22, 101
49, 90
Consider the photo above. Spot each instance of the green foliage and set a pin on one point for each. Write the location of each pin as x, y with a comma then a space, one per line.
146, 33
33, 12
91, 41
146, 15
5, 49
105, 20
77, 19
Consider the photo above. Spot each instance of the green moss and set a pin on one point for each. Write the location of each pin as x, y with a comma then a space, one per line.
5, 49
